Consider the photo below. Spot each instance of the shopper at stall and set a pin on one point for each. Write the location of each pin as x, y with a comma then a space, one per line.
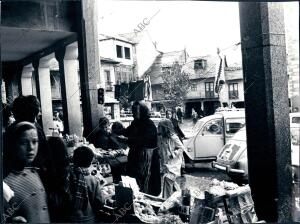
58, 199
101, 138
118, 164
171, 150
143, 158
117, 129
29, 193
84, 188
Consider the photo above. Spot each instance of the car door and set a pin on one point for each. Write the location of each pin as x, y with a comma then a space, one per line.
210, 139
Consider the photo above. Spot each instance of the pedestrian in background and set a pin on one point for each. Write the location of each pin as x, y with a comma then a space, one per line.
179, 115
171, 156
194, 116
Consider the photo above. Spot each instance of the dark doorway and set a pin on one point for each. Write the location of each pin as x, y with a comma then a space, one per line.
189, 106
210, 107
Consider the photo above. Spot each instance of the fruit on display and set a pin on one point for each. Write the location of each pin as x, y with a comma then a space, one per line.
172, 202
145, 212
108, 189
108, 193
169, 219
219, 188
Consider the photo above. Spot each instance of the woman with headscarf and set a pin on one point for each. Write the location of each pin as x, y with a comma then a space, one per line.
170, 150
143, 158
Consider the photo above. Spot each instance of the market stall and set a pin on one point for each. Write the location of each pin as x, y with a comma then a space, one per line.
222, 202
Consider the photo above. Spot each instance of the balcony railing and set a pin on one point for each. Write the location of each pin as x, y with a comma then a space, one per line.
210, 94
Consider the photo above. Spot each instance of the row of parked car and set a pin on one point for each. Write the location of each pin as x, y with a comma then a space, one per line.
221, 138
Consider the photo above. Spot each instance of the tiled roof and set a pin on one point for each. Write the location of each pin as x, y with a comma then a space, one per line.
134, 37
103, 37
155, 71
163, 60
208, 72
167, 59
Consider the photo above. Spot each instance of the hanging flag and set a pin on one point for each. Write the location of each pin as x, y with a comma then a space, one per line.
220, 75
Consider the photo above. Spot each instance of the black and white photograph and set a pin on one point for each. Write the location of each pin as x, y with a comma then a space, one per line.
144, 111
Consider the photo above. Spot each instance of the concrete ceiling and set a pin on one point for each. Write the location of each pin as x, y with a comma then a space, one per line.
17, 43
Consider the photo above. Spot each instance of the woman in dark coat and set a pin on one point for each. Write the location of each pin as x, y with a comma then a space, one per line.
143, 158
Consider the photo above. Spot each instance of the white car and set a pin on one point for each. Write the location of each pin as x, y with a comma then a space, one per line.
232, 159
211, 133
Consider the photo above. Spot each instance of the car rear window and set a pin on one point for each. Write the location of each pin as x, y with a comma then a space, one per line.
296, 120
233, 125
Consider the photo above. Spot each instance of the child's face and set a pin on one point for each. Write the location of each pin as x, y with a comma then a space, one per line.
27, 146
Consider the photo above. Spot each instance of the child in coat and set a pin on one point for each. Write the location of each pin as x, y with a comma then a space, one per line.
84, 188
29, 202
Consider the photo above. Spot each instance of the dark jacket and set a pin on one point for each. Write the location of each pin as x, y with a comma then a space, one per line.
143, 160
101, 139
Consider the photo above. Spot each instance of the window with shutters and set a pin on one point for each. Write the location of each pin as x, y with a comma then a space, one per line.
233, 91
209, 90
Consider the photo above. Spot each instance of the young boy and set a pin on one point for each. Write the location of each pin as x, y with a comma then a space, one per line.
84, 188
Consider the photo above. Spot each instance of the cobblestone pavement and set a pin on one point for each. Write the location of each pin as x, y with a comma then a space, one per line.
201, 176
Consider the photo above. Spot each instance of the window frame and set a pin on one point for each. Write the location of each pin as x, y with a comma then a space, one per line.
232, 92
119, 47
193, 87
209, 92
125, 55
108, 82
200, 64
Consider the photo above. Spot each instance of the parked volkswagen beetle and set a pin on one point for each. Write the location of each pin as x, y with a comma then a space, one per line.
232, 159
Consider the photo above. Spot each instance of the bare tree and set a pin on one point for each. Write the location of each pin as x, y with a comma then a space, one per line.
175, 86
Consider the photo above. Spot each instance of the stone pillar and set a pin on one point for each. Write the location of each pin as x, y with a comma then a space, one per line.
1, 140
26, 80
267, 109
89, 64
68, 69
43, 86
12, 77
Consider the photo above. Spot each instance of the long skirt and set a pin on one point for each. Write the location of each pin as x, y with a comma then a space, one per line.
144, 166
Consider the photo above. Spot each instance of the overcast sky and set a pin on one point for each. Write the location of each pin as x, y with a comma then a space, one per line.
201, 27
